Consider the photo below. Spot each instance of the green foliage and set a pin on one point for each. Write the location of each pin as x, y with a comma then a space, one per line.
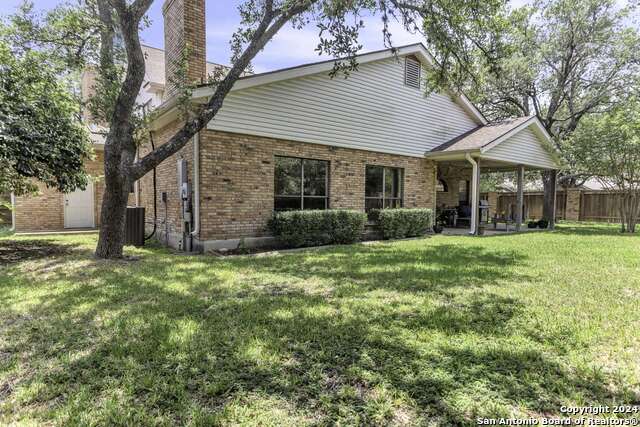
67, 34
41, 135
560, 60
452, 29
401, 223
608, 147
318, 227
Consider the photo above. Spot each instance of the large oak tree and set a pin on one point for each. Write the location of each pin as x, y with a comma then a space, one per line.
560, 60
114, 27
338, 26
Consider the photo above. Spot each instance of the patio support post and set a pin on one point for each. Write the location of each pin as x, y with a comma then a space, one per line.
520, 197
475, 193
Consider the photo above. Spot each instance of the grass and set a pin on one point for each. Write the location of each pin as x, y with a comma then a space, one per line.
435, 331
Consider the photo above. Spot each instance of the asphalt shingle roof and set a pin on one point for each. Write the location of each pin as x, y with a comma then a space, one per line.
481, 136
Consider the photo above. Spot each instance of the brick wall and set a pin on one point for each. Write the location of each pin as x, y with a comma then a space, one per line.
168, 215
452, 174
184, 31
237, 180
45, 211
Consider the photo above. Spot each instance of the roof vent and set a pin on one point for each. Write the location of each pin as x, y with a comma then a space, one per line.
412, 71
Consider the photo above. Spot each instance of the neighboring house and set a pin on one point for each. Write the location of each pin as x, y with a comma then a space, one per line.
298, 139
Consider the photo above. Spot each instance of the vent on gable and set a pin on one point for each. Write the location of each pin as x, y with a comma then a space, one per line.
412, 71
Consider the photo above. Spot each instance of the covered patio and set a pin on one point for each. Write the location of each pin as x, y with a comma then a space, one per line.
514, 145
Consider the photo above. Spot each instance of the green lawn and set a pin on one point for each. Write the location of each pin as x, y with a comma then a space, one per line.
436, 331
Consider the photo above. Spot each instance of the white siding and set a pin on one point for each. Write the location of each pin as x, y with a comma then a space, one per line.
524, 147
371, 110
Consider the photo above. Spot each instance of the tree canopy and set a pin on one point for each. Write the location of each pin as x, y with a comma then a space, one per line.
608, 146
41, 135
560, 60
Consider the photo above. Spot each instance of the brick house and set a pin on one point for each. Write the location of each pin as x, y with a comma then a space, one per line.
298, 139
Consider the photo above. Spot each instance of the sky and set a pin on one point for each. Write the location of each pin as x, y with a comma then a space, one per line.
290, 47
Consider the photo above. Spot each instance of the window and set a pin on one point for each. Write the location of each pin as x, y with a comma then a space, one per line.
383, 187
463, 193
301, 184
441, 186
412, 70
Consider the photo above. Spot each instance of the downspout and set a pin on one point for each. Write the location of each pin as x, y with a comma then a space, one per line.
13, 212
196, 185
474, 195
155, 195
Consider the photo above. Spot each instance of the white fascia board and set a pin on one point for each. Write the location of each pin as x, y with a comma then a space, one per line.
470, 108
451, 155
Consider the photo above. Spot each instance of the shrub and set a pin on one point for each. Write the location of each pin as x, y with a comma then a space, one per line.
401, 223
318, 227
532, 224
543, 223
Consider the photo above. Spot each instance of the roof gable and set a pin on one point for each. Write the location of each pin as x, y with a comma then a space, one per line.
371, 110
521, 139
417, 50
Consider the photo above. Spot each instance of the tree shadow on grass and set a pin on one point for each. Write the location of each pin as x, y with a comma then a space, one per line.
182, 341
388, 267
13, 251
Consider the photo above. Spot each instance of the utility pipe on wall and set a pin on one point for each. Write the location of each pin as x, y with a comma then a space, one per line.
474, 193
196, 185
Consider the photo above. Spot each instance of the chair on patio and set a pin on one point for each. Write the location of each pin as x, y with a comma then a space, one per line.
464, 215
509, 219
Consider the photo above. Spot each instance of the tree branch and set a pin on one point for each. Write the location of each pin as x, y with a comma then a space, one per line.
265, 31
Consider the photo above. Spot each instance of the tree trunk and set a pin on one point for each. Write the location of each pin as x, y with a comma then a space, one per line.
548, 199
114, 203
630, 215
623, 214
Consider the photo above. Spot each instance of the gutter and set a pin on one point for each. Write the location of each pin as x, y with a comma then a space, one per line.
474, 196
196, 185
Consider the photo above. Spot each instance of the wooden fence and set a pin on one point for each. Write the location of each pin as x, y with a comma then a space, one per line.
600, 206
533, 201
588, 205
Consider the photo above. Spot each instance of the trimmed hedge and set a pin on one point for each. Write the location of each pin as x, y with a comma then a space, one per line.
401, 222
318, 227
